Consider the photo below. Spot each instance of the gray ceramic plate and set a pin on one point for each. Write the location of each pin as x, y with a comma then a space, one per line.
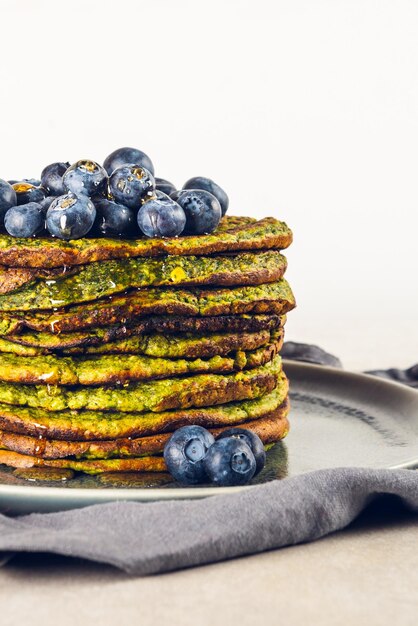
337, 419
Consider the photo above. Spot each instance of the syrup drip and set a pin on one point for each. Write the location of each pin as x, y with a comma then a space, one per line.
40, 446
146, 480
43, 473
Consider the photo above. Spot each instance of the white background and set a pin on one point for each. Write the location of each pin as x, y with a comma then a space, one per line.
303, 110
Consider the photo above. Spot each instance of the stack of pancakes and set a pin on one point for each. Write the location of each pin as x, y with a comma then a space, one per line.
107, 346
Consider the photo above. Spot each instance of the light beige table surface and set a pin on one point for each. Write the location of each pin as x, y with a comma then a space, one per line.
366, 574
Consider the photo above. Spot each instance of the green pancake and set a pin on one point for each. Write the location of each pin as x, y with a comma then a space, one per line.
158, 395
234, 234
166, 346
139, 464
165, 326
70, 425
107, 278
270, 427
118, 369
274, 298
186, 346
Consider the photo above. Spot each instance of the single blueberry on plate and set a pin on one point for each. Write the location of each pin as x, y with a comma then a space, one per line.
25, 220
164, 185
26, 192
250, 438
202, 209
113, 219
51, 177
127, 156
7, 198
229, 462
161, 217
70, 216
200, 182
184, 453
85, 178
131, 185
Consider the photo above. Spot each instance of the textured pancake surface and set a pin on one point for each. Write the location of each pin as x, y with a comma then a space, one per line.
274, 298
12, 278
138, 464
162, 324
270, 426
99, 280
84, 425
187, 346
157, 395
234, 234
269, 429
117, 369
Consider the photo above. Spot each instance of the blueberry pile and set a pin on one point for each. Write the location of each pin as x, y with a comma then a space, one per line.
121, 198
193, 456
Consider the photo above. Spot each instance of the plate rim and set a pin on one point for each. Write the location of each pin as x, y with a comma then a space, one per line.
337, 371
86, 495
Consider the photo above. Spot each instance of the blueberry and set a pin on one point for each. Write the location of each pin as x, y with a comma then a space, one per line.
160, 195
229, 462
113, 219
164, 185
46, 203
252, 440
200, 182
70, 216
175, 195
85, 177
131, 185
184, 453
26, 192
51, 178
161, 217
202, 209
127, 156
7, 198
25, 220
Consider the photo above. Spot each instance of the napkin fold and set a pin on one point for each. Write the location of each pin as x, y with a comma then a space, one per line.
151, 538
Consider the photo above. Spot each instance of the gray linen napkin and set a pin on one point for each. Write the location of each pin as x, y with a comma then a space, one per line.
150, 538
